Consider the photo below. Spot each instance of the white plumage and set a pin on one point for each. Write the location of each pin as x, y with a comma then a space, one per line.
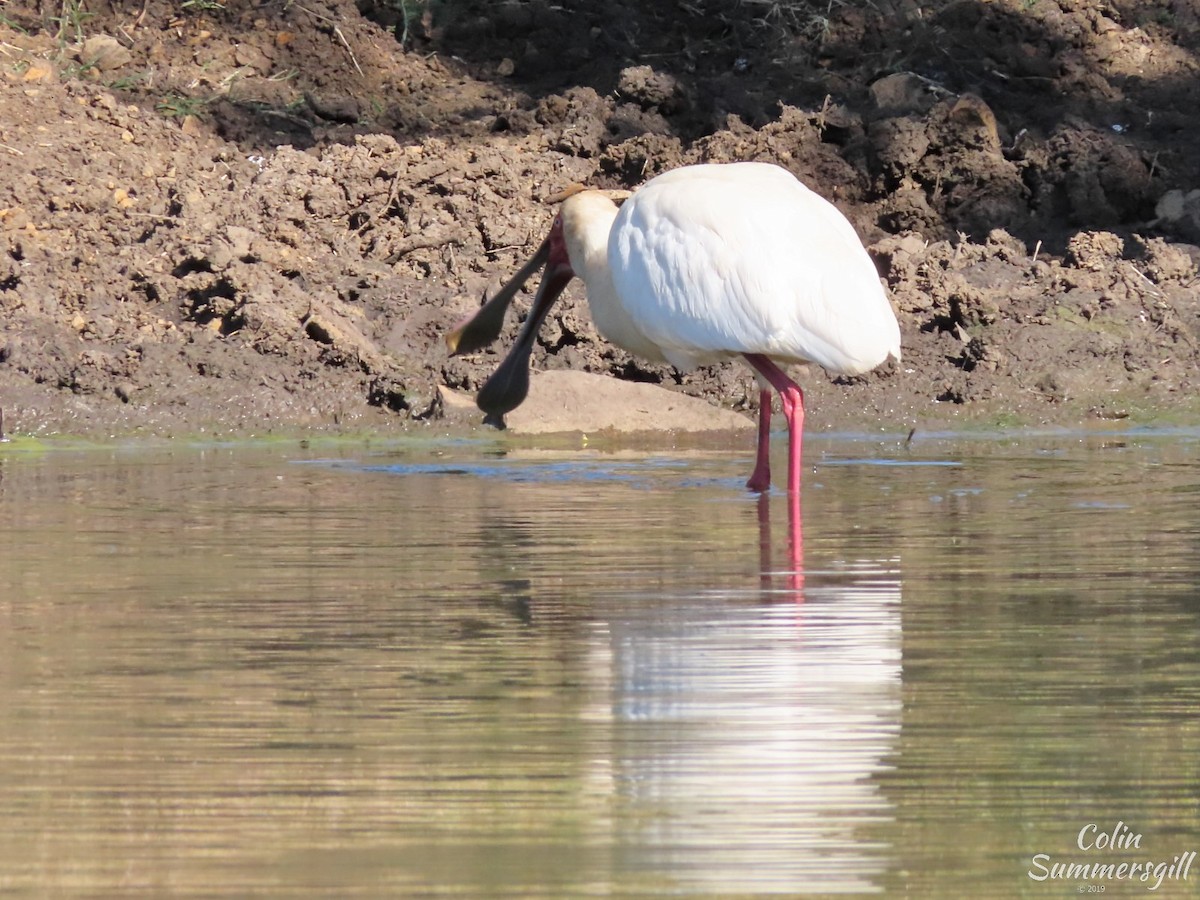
702, 264
712, 261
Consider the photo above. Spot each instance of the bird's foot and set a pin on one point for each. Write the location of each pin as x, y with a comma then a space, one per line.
759, 483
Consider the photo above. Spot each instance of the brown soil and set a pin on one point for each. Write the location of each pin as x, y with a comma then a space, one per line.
264, 217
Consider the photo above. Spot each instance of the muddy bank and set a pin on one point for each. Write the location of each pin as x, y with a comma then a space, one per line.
254, 219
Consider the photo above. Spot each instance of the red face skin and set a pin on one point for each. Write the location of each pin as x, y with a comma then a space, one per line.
558, 248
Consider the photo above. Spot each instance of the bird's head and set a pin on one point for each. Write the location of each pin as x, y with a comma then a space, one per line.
508, 386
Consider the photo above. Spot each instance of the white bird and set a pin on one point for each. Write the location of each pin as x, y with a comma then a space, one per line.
702, 264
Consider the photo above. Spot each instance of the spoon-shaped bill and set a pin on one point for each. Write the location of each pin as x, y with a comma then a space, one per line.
483, 326
509, 384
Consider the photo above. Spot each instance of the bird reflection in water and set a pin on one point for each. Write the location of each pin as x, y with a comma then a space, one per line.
790, 581
740, 744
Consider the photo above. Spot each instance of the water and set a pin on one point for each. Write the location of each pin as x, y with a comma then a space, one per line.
449, 670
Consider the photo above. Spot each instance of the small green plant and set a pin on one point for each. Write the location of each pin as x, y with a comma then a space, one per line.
71, 20
12, 25
378, 108
178, 106
786, 23
79, 70
194, 6
797, 16
128, 82
1165, 17
408, 13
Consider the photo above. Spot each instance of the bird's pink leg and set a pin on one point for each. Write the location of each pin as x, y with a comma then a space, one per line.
760, 479
792, 400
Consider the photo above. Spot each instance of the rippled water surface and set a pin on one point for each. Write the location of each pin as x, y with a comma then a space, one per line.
440, 669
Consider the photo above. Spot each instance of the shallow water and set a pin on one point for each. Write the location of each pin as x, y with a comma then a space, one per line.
451, 669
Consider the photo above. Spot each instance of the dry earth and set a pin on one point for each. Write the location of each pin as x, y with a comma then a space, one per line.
249, 218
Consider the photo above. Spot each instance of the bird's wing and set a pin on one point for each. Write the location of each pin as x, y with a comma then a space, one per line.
742, 258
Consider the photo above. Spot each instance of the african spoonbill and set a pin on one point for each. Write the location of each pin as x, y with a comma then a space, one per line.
701, 264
